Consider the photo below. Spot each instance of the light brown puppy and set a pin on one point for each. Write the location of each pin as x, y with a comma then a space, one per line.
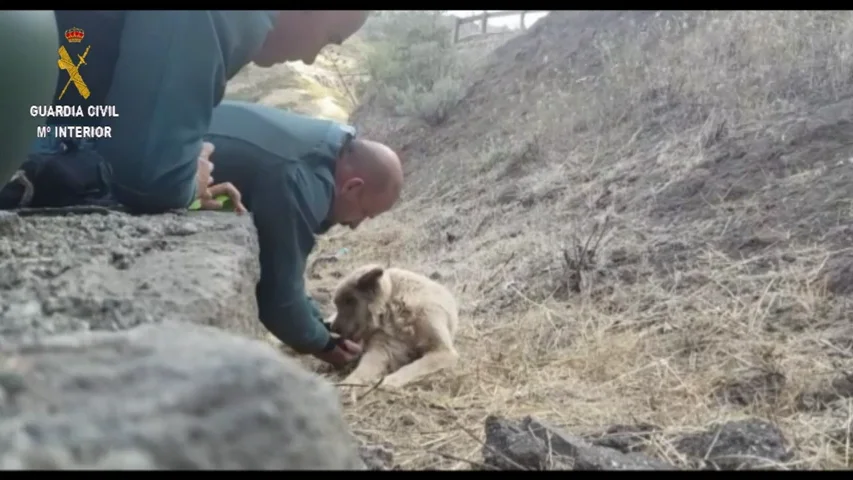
405, 321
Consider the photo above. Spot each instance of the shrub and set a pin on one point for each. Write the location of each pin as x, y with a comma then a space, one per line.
414, 68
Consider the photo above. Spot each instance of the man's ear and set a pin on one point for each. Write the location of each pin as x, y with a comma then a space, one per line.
352, 184
368, 281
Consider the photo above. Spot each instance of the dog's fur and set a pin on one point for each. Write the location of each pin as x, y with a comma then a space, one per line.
405, 321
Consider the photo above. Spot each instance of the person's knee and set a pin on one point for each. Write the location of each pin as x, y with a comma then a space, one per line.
144, 186
154, 197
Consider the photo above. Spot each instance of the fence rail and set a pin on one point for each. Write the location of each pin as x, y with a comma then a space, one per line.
483, 18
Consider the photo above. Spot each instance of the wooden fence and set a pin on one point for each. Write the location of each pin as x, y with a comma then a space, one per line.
483, 18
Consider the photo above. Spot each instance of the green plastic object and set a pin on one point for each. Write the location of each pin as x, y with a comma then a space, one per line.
30, 69
223, 199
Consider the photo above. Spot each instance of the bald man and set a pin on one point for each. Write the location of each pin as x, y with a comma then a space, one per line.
299, 176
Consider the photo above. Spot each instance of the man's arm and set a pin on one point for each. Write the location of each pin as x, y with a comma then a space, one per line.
315, 309
286, 237
170, 73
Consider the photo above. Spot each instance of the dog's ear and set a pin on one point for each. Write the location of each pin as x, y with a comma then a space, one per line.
367, 282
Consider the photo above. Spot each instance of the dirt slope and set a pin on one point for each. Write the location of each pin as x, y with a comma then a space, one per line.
715, 153
324, 89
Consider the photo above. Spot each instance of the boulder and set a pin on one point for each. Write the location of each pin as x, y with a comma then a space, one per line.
167, 396
63, 273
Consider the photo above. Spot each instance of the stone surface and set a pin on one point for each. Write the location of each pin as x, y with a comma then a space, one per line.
105, 362
8, 222
536, 445
377, 456
114, 271
838, 274
167, 396
625, 438
532, 444
737, 445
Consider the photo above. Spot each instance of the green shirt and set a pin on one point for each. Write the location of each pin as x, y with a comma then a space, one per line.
284, 166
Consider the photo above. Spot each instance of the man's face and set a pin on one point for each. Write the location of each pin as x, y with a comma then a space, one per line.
301, 35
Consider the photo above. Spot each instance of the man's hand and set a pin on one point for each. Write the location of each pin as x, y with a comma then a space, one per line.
205, 188
345, 351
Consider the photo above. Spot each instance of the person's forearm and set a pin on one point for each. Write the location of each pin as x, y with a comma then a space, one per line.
286, 238
315, 309
297, 327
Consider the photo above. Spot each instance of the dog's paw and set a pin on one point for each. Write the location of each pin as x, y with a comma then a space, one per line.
392, 383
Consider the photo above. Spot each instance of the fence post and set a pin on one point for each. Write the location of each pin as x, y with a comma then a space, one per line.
522, 19
485, 23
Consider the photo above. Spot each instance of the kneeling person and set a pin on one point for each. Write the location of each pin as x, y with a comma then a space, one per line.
299, 176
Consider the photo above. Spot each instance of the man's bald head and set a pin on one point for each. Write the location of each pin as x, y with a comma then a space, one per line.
368, 181
379, 165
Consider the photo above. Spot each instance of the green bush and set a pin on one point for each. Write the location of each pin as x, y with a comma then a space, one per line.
414, 68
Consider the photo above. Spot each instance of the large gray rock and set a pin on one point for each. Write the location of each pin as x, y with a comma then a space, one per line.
168, 396
67, 273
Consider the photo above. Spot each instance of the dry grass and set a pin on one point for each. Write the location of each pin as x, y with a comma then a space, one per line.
703, 138
642, 353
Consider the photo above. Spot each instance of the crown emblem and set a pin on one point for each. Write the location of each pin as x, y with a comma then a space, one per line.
74, 35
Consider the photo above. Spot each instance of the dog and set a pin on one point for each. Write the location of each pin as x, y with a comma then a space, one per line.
404, 321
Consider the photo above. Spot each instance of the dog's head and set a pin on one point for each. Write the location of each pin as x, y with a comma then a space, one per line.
360, 299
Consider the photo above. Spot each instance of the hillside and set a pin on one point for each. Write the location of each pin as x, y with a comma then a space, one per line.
645, 218
331, 87
324, 89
